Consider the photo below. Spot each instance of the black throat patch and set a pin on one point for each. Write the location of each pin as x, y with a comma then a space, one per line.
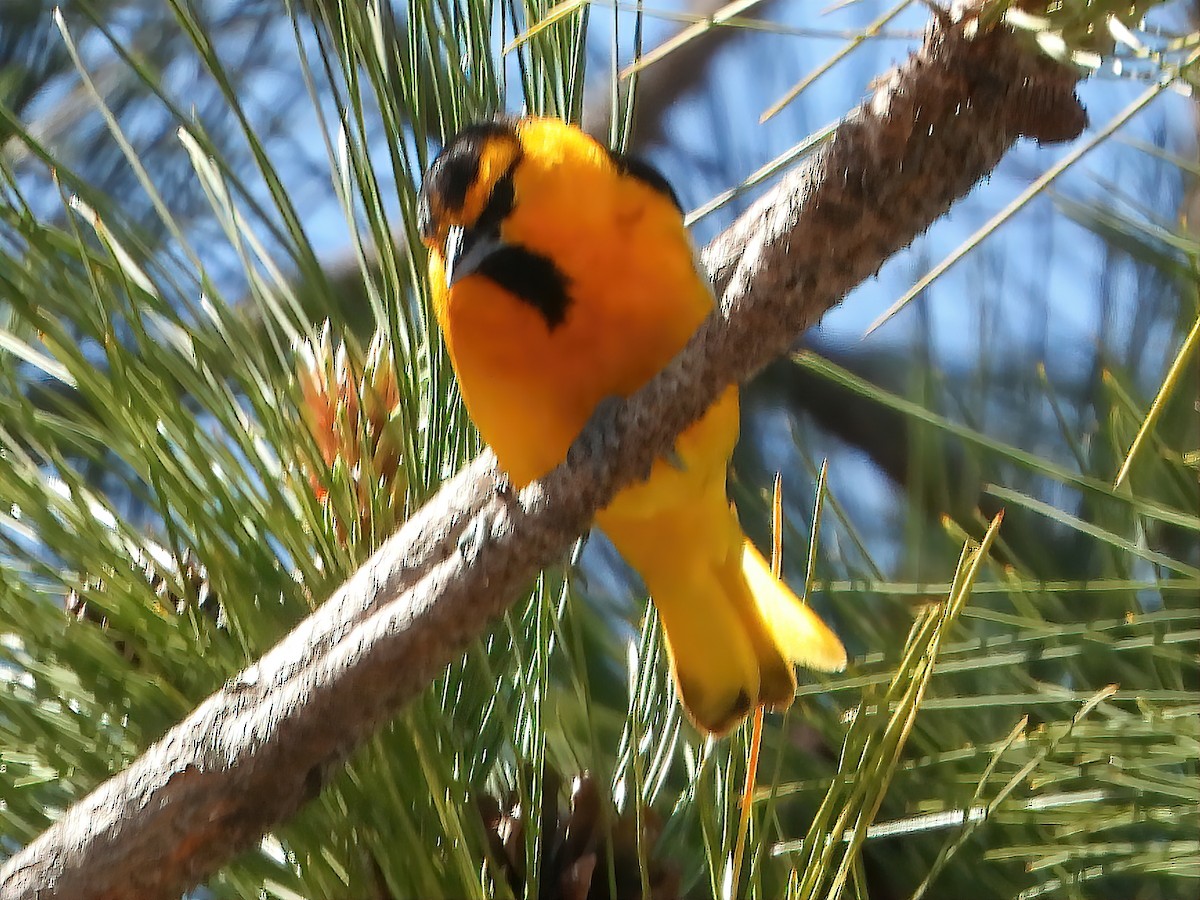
531, 278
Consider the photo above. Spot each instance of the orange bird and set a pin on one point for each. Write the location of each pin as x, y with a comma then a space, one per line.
561, 275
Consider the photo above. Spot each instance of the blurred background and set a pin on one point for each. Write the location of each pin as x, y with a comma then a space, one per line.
222, 391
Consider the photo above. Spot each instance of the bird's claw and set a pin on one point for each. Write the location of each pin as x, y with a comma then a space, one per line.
476, 536
577, 551
575, 572
598, 438
502, 487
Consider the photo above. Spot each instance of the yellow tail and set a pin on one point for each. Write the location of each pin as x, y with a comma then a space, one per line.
732, 629
798, 632
734, 634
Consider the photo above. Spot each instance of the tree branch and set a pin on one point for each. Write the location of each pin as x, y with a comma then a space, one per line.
254, 752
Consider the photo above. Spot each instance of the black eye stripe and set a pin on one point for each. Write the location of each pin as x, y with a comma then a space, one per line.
497, 209
462, 160
500, 201
456, 180
448, 181
530, 276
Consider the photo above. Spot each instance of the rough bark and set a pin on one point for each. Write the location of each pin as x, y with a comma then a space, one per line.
253, 753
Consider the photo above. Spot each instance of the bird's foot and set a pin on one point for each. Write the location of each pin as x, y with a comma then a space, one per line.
502, 486
476, 536
597, 443
598, 439
674, 460
577, 551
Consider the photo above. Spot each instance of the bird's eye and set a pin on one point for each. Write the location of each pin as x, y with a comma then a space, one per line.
457, 171
453, 182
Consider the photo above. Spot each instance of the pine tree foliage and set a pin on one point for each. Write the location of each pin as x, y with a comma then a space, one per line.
204, 430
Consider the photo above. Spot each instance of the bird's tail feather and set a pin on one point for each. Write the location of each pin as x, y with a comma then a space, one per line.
733, 637
797, 632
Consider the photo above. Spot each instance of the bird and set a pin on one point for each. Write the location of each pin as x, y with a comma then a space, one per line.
562, 275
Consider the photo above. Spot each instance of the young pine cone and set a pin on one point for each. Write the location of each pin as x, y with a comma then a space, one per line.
350, 406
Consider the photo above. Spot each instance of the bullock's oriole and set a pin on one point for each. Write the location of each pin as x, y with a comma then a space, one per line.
561, 275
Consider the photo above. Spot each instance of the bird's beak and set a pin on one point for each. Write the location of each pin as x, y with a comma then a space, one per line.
466, 250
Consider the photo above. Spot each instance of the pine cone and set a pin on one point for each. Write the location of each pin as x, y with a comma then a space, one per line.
350, 406
577, 845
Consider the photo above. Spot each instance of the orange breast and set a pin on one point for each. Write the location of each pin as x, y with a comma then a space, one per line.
635, 300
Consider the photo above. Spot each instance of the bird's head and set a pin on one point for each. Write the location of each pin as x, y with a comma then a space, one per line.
512, 201
467, 193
